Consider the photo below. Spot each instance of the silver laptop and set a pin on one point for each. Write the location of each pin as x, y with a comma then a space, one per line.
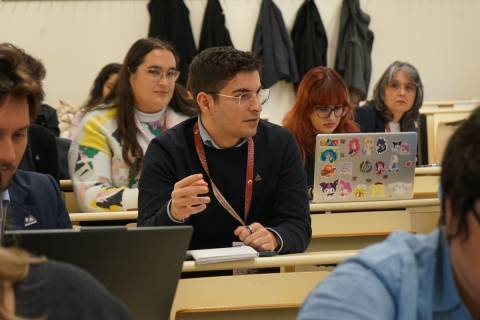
364, 166
140, 266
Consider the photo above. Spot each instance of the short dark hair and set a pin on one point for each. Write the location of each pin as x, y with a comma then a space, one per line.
409, 119
213, 67
460, 178
16, 78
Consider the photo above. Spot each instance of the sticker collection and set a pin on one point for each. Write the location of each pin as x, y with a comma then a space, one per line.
338, 172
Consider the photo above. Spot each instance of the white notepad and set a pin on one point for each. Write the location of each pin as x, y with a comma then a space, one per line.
205, 256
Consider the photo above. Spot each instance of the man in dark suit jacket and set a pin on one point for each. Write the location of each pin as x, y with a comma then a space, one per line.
36, 202
33, 200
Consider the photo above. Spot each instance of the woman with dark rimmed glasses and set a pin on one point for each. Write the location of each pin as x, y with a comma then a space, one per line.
322, 106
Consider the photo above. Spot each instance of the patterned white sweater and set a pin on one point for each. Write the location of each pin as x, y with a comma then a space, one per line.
102, 180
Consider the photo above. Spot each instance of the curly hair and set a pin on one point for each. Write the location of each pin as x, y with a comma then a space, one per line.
16, 78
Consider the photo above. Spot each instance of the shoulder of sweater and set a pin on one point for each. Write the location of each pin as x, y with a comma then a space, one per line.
272, 128
103, 110
273, 131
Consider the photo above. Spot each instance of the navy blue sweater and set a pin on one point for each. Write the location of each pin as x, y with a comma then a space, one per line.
279, 199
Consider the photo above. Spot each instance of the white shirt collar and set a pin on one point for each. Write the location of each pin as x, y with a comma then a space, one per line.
5, 196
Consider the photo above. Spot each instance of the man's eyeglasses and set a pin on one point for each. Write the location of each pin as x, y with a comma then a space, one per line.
326, 111
156, 74
247, 99
396, 86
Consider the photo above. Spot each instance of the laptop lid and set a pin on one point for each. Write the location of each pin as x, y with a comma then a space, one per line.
140, 266
364, 166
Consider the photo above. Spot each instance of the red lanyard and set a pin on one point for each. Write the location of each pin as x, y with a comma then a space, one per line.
248, 179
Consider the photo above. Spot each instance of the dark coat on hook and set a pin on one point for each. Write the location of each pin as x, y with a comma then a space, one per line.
272, 44
214, 32
353, 61
170, 21
309, 38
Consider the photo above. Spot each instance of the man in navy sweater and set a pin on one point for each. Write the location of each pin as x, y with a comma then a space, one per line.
232, 176
33, 200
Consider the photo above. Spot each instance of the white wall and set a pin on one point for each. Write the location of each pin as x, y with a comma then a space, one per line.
76, 38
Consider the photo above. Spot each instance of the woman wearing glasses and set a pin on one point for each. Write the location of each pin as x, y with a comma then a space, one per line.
397, 98
322, 106
106, 156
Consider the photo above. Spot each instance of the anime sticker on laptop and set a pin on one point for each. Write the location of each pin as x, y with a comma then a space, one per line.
329, 155
353, 147
381, 145
368, 146
344, 189
401, 147
329, 170
329, 189
364, 166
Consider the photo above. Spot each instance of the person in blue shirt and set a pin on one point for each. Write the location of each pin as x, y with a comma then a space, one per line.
33, 199
432, 276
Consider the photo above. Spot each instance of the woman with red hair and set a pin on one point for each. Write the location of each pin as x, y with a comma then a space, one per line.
322, 106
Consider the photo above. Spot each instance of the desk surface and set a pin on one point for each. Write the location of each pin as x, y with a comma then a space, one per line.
314, 207
429, 170
285, 260
372, 205
66, 185
242, 292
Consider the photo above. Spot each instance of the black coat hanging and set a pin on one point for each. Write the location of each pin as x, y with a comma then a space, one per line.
170, 21
309, 38
214, 32
272, 44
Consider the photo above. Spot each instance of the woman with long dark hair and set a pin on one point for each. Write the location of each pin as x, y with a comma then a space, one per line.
106, 157
102, 85
322, 106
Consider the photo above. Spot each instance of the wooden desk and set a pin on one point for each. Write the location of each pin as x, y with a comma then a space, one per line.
285, 260
371, 205
353, 226
450, 103
103, 216
426, 186
258, 296
431, 171
438, 117
66, 185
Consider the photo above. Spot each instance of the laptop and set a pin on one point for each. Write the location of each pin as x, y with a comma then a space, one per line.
364, 166
140, 266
